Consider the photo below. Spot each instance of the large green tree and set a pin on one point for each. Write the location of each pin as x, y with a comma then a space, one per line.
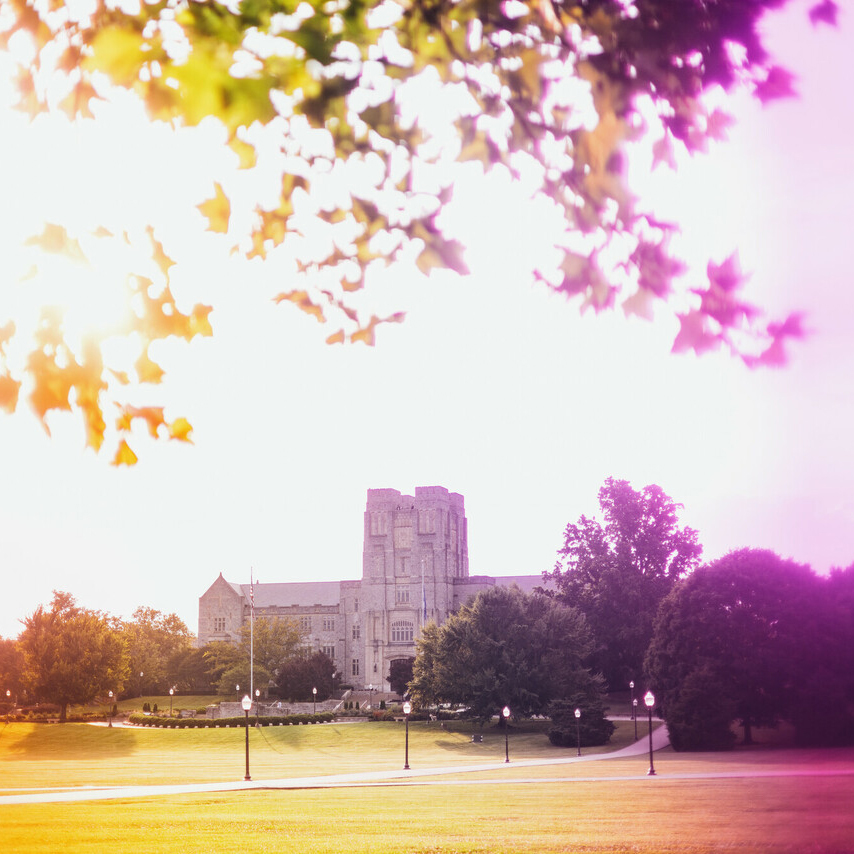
505, 647
71, 655
153, 639
271, 641
299, 674
618, 570
560, 90
735, 641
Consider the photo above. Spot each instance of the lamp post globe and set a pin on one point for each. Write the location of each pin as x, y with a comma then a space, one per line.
578, 729
407, 710
246, 703
649, 700
505, 712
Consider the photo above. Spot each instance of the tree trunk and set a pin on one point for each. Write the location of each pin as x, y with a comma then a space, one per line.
63, 713
748, 731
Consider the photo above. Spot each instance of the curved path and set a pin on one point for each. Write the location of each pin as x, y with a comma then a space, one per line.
408, 777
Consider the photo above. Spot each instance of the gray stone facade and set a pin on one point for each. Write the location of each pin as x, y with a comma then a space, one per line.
415, 570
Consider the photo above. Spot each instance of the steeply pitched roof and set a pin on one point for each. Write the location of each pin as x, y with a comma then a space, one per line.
300, 593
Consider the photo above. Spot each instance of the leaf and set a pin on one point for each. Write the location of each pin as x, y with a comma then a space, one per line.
302, 301
246, 155
9, 390
777, 84
55, 239
693, 334
217, 210
337, 337
159, 255
146, 370
824, 13
124, 455
180, 429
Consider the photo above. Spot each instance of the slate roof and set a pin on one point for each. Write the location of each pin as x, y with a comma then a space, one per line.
300, 593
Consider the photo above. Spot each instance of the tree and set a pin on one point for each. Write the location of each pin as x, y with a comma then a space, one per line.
400, 673
298, 674
271, 641
153, 639
503, 648
618, 573
71, 654
590, 729
733, 642
557, 90
10, 670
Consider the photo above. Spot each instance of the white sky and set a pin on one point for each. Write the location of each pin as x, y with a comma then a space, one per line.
492, 387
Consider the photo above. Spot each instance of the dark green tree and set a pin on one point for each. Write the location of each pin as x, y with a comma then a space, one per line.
504, 648
561, 89
298, 674
591, 727
400, 674
71, 655
732, 643
617, 572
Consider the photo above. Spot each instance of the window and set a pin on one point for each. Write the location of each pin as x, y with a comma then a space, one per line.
328, 651
355, 667
356, 605
401, 595
219, 624
357, 631
402, 631
305, 624
329, 624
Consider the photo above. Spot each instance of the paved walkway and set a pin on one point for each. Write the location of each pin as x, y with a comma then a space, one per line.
413, 777
364, 778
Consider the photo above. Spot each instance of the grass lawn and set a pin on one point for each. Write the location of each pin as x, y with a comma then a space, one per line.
564, 808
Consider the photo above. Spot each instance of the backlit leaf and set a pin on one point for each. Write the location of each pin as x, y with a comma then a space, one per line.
217, 210
124, 455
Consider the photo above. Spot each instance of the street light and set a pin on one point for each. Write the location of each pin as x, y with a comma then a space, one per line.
578, 729
649, 699
314, 701
246, 702
506, 712
110, 713
635, 717
632, 687
171, 692
407, 709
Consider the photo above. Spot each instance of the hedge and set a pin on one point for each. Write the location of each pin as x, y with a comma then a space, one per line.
239, 721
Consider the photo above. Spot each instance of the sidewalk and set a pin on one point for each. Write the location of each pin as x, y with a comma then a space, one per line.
659, 740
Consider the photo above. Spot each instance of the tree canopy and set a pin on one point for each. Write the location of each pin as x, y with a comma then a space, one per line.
559, 91
71, 655
504, 648
617, 572
153, 640
753, 638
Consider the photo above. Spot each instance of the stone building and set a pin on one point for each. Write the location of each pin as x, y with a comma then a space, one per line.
415, 570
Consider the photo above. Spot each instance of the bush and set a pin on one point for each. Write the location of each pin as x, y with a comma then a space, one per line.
592, 727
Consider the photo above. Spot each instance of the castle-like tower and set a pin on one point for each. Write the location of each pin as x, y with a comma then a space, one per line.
415, 549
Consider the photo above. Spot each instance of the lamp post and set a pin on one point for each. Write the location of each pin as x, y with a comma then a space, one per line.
314, 701
578, 729
110, 713
632, 688
649, 699
171, 693
506, 713
407, 709
635, 717
246, 702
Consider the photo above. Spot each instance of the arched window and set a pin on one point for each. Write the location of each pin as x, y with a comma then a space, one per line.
402, 631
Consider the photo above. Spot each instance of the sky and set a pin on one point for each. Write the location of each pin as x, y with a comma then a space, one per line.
492, 387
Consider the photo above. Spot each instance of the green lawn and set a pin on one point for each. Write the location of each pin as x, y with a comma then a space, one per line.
565, 808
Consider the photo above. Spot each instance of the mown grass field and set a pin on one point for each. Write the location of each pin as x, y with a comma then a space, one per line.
607, 806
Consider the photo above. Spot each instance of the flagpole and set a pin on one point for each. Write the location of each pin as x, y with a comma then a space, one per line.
251, 638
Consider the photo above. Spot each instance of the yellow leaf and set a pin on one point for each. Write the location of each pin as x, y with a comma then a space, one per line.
8, 393
302, 301
337, 337
199, 323
180, 429
146, 370
124, 455
217, 210
55, 239
245, 152
160, 257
